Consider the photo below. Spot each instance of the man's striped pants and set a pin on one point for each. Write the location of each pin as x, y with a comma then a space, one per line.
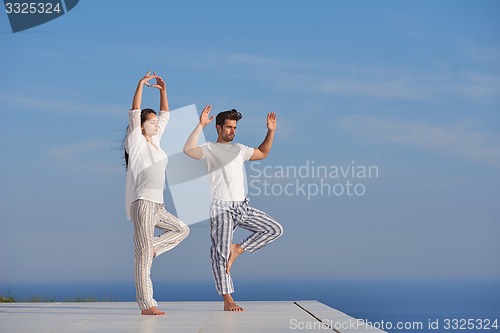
225, 217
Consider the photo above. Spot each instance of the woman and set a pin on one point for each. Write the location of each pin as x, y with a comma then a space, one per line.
146, 163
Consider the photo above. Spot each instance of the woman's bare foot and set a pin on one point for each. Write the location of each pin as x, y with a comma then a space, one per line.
236, 250
153, 311
230, 305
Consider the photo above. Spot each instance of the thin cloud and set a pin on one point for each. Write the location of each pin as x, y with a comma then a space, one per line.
73, 150
452, 139
479, 85
336, 79
387, 88
28, 101
88, 156
489, 54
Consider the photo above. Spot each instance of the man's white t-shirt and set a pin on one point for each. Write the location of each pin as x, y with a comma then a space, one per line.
146, 163
226, 170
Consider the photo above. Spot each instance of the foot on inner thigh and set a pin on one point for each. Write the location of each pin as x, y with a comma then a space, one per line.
236, 250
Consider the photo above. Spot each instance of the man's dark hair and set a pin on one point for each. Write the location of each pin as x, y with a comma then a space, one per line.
232, 114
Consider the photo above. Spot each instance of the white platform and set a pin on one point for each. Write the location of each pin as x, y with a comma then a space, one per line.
206, 317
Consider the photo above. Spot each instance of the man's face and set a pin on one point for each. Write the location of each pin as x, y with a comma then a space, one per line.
227, 131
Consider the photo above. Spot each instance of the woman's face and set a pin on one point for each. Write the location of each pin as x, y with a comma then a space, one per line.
150, 126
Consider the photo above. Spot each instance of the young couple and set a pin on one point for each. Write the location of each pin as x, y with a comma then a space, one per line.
146, 163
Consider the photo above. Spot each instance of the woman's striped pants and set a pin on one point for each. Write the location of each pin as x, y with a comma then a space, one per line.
147, 215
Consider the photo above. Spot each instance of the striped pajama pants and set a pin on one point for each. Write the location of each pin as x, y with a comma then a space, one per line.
225, 216
147, 215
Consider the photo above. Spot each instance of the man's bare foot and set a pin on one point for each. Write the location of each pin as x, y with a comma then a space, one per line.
236, 250
230, 305
153, 311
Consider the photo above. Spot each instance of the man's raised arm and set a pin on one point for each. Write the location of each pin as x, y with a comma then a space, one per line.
190, 148
265, 147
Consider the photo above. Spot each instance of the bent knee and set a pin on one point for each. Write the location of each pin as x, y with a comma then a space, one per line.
185, 231
277, 230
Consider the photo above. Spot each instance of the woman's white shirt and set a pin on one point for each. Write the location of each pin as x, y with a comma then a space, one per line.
146, 163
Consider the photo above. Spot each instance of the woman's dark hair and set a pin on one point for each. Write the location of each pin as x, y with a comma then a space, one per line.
232, 114
144, 117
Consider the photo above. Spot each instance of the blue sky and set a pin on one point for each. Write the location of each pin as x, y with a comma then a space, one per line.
411, 88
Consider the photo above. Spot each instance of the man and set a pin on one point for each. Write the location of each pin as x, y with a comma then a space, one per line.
230, 208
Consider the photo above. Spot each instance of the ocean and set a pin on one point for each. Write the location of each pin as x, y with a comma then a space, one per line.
438, 305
